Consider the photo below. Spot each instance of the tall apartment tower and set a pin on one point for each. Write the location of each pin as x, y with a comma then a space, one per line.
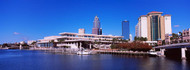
125, 29
96, 26
168, 28
153, 26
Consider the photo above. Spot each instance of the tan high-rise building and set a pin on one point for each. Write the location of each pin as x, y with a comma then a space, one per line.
154, 26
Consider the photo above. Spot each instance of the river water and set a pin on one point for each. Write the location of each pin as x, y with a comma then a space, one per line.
39, 60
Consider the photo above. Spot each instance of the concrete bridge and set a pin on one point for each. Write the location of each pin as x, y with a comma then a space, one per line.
180, 50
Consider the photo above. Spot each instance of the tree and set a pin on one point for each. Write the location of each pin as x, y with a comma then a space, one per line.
34, 43
171, 38
113, 40
123, 40
113, 46
174, 38
135, 38
180, 33
145, 39
163, 42
5, 45
140, 38
134, 46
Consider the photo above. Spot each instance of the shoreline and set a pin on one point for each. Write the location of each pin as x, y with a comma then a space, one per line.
74, 51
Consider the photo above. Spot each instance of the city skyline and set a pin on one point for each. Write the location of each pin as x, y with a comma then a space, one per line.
21, 21
94, 35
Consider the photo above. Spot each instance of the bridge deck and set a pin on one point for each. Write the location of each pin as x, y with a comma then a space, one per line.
179, 45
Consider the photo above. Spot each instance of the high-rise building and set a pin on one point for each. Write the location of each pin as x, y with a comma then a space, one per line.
141, 27
81, 31
96, 26
137, 30
130, 37
168, 28
153, 26
125, 29
100, 31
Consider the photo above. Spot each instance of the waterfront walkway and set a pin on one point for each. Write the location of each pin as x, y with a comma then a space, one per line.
123, 52
73, 51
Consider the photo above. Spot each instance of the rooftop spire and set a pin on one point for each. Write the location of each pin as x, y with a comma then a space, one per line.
96, 26
96, 22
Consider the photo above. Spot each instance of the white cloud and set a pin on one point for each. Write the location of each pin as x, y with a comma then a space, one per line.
16, 33
176, 25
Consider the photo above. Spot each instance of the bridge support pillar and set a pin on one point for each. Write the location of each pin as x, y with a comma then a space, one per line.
162, 52
183, 53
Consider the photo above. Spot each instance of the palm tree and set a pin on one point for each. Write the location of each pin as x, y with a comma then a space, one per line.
163, 42
135, 38
145, 39
140, 38
180, 33
174, 37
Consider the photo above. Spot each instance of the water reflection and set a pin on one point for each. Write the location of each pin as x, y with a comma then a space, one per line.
37, 60
184, 63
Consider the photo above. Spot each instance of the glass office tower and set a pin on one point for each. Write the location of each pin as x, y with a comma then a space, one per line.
125, 30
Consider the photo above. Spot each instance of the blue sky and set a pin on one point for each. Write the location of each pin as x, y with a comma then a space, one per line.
35, 19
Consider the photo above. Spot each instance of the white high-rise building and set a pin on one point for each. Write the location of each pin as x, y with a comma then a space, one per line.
142, 26
168, 28
153, 26
137, 29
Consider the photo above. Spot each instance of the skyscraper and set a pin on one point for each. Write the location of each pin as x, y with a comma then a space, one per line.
125, 29
153, 26
96, 26
100, 32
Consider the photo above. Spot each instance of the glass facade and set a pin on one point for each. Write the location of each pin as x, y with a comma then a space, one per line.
154, 27
125, 29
